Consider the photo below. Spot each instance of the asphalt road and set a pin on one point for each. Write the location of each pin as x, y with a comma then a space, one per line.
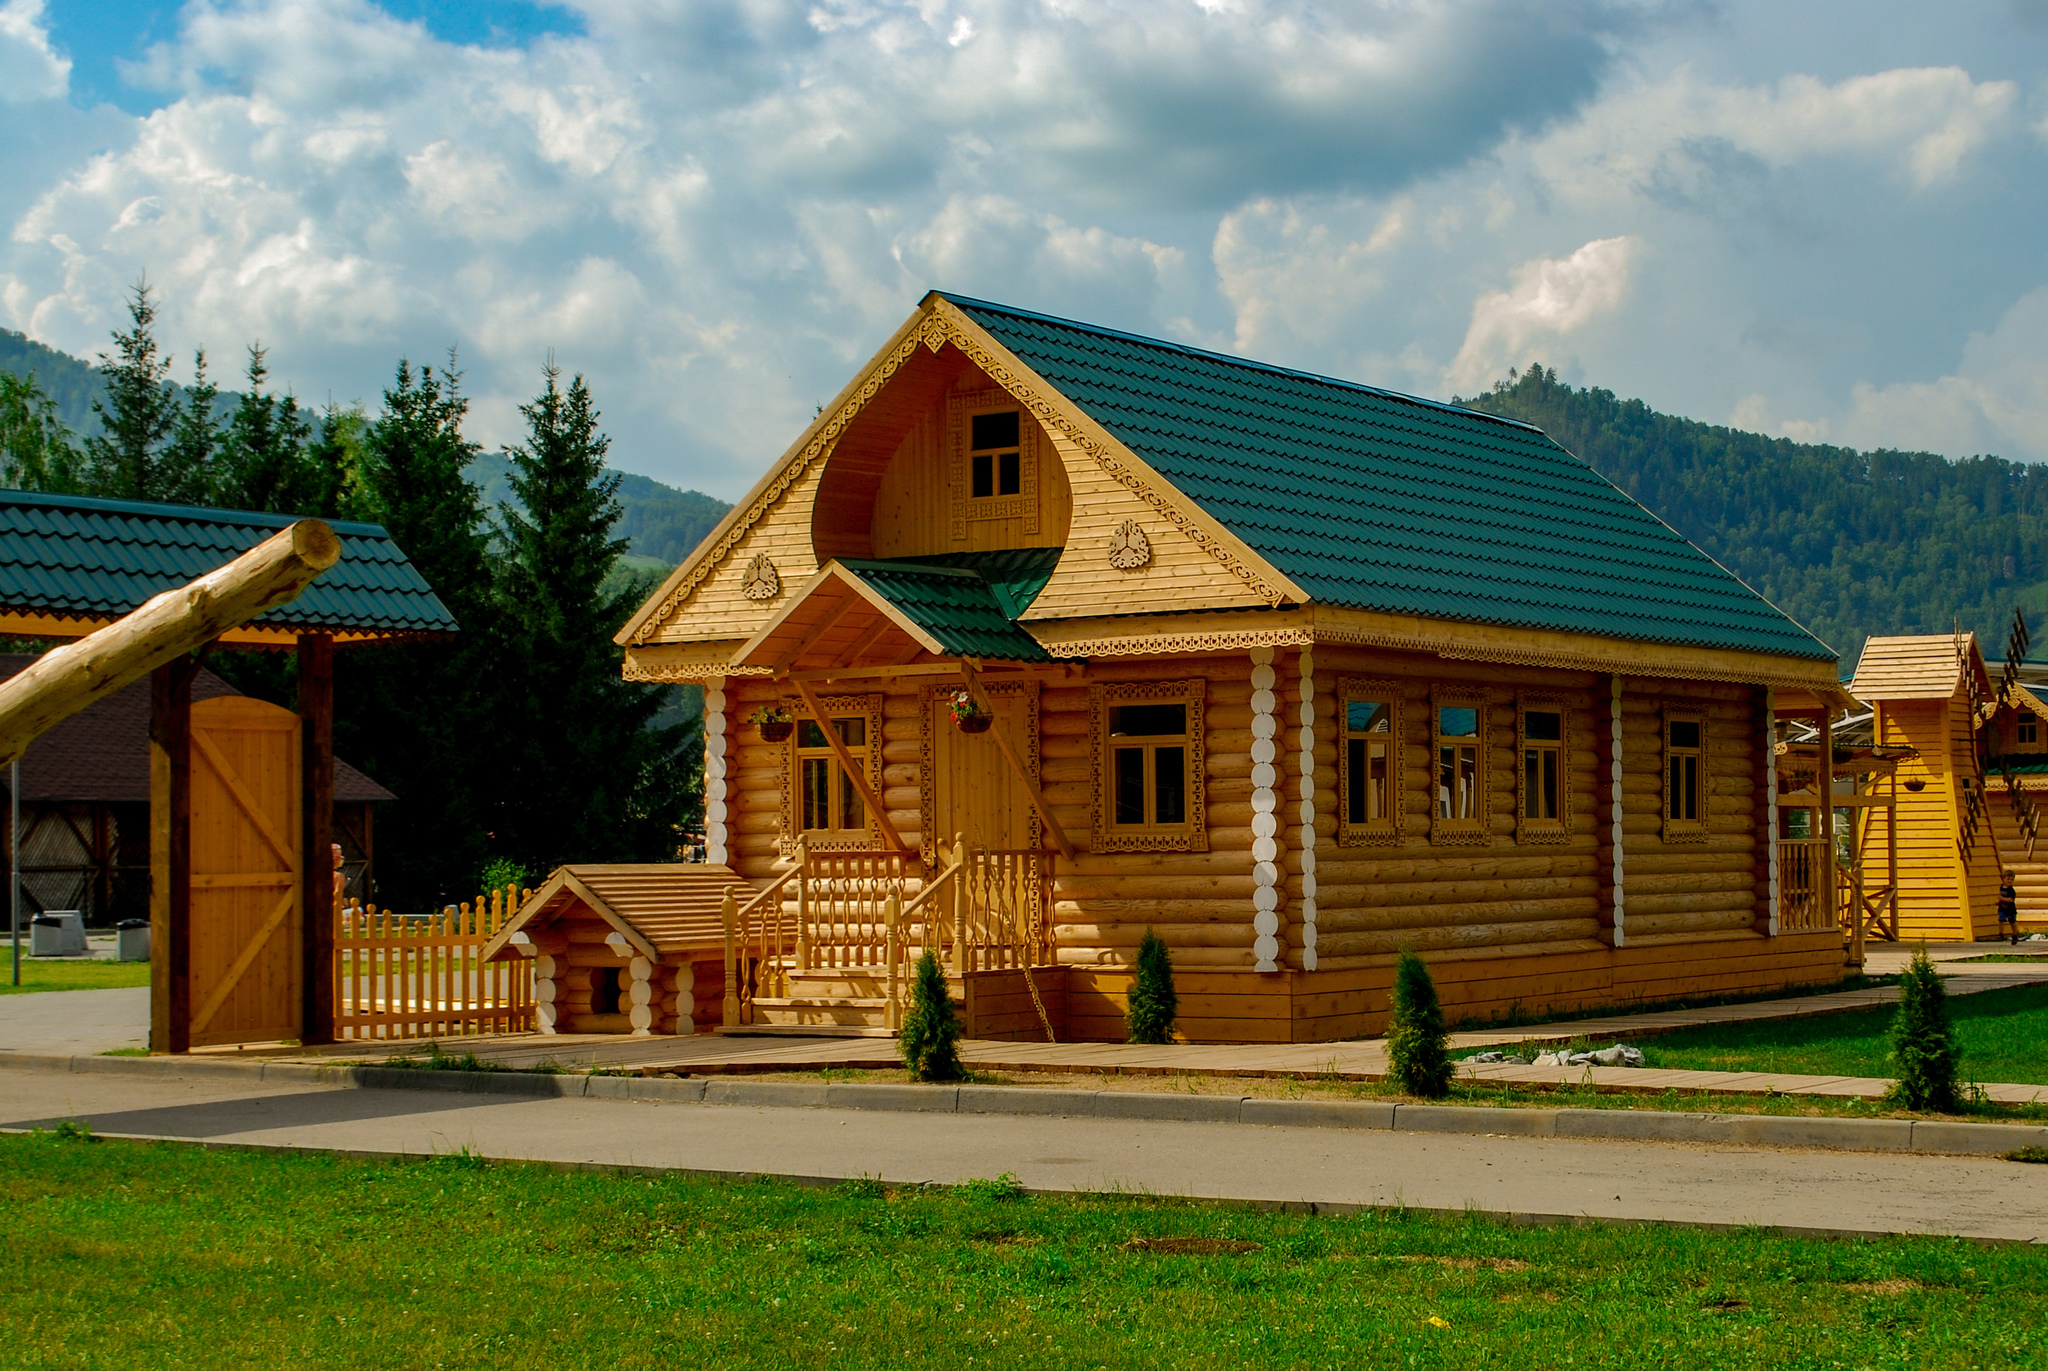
1549, 1177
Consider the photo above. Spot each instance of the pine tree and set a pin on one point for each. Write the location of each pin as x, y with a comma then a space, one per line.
586, 793
1924, 1048
1150, 1009
36, 451
1418, 1056
426, 718
338, 455
930, 1037
188, 471
125, 461
265, 464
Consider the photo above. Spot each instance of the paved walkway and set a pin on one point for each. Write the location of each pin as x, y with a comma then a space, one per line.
1551, 1178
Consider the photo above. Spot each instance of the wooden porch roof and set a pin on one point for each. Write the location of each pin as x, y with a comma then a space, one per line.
1921, 666
863, 613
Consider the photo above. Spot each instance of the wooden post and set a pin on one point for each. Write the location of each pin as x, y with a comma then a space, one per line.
729, 912
1824, 878
962, 954
170, 856
892, 1012
803, 905
317, 868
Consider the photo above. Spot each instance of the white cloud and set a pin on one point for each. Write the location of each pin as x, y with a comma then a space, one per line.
29, 68
1551, 299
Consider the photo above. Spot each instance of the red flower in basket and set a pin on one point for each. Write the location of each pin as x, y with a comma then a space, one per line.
968, 715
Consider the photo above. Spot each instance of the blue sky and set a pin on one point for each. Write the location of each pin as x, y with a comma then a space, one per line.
1812, 218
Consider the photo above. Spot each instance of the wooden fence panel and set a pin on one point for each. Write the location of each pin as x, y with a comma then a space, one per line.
422, 976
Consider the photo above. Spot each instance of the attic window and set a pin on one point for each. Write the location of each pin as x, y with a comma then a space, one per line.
996, 455
2029, 729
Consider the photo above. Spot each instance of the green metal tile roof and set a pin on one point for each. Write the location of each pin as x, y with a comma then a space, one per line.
953, 604
1374, 500
1015, 574
69, 555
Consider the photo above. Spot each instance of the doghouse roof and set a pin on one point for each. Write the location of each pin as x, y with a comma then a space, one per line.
660, 908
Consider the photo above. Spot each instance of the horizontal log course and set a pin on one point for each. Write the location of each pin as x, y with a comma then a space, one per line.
901, 773
1460, 936
1641, 905
1188, 957
1175, 935
897, 797
1216, 887
897, 707
1513, 955
1649, 841
1681, 860
1063, 700
1119, 864
1445, 916
1139, 911
1065, 728
756, 778
763, 801
751, 821
1696, 922
1077, 770
1735, 876
1456, 891
1403, 864
1053, 748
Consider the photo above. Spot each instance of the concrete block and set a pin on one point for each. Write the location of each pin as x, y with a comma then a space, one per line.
1848, 1135
1317, 1113
1976, 1139
169, 1068
915, 1099
1639, 1124
1119, 1104
1015, 1099
667, 1089
1453, 1118
607, 1087
775, 1094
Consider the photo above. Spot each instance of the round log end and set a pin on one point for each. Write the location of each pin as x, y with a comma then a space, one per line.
315, 543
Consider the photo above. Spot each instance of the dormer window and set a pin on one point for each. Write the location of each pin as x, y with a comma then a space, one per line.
995, 455
2029, 729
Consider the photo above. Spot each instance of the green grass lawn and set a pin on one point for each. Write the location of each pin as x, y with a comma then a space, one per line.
50, 974
136, 1255
2002, 1032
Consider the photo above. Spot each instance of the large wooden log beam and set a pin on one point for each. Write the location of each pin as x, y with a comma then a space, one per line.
67, 679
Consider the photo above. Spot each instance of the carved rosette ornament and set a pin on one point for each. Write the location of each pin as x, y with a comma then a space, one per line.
763, 581
1129, 548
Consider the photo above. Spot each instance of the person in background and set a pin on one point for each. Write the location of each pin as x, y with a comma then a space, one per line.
2008, 909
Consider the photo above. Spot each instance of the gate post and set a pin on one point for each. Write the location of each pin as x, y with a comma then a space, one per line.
316, 867
170, 855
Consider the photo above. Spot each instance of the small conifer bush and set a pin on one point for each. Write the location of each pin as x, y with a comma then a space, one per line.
1150, 1010
1417, 1050
930, 1036
1924, 1050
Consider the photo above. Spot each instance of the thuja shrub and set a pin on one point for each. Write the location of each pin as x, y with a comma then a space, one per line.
930, 1036
1153, 1004
1924, 1050
1418, 1051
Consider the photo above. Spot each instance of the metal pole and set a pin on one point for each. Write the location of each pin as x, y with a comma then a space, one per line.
14, 864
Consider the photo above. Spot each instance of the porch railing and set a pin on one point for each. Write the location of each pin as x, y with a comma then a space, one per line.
1805, 868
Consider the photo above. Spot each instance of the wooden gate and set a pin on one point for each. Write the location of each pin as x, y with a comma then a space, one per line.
246, 892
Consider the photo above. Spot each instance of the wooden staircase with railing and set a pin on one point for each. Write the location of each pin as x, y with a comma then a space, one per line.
831, 947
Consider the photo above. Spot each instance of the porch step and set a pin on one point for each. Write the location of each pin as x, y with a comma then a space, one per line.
819, 1012
799, 1030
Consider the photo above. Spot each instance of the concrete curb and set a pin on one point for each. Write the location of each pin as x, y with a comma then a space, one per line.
1749, 1130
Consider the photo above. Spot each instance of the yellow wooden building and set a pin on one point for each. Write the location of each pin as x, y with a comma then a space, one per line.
1043, 635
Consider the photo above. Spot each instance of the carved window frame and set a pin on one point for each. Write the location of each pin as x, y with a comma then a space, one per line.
1559, 829
1693, 830
868, 839
1370, 832
933, 702
1193, 834
965, 509
1476, 831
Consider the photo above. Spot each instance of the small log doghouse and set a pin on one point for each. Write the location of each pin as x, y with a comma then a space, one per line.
624, 949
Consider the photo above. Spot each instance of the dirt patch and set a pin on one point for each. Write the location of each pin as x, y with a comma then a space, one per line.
1472, 1263
1898, 1285
1192, 1247
1726, 1306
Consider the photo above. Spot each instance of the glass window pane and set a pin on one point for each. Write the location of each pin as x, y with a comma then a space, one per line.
984, 476
1692, 786
1446, 779
1367, 716
1169, 785
1457, 723
1355, 781
1467, 797
853, 732
808, 734
995, 430
1130, 785
814, 787
1009, 466
1148, 721
1685, 733
1532, 783
852, 813
1376, 781
1543, 725
1552, 761
1675, 801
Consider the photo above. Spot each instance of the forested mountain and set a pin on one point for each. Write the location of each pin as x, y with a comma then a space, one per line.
1848, 543
662, 522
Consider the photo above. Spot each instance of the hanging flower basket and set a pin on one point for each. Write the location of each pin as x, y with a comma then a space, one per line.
968, 716
773, 722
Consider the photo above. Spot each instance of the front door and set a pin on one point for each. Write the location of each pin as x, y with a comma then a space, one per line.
976, 794
245, 979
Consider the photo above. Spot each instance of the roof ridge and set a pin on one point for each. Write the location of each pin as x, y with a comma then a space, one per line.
1250, 364
161, 510
921, 568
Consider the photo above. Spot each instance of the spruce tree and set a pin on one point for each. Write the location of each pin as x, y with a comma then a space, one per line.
426, 719
579, 793
126, 459
1418, 1054
1152, 1004
1924, 1049
265, 464
36, 450
930, 1037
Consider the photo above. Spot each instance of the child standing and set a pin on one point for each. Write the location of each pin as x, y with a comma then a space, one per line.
2009, 909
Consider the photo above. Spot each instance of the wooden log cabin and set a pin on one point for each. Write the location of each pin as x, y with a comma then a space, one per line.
1295, 671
